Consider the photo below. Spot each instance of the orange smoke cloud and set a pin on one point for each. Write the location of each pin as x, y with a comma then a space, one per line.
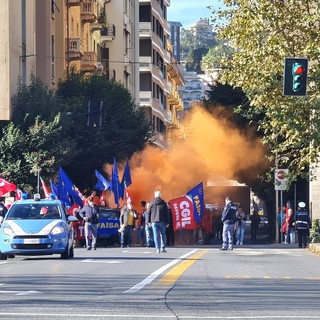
205, 147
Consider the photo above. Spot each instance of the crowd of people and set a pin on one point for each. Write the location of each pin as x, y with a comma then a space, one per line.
291, 224
153, 225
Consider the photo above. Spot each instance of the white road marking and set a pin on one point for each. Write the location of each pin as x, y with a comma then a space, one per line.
20, 293
156, 273
101, 261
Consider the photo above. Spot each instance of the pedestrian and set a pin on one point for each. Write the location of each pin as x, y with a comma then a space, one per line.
148, 226
255, 221
3, 211
288, 226
140, 228
170, 229
240, 223
302, 224
228, 219
96, 199
89, 213
280, 219
159, 218
127, 220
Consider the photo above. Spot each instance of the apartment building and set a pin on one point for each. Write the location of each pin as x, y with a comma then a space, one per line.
17, 49
195, 86
175, 36
120, 43
153, 61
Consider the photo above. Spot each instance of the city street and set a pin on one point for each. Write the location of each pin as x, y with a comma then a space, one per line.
199, 282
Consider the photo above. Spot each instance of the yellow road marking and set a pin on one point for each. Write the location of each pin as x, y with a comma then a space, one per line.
174, 274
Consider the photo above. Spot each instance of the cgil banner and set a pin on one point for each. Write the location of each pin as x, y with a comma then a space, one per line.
187, 211
182, 213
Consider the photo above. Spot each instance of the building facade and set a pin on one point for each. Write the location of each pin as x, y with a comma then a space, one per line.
156, 59
17, 49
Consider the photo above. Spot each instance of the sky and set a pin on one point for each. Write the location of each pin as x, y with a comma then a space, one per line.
188, 12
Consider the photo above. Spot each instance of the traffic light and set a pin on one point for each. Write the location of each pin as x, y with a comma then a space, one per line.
295, 77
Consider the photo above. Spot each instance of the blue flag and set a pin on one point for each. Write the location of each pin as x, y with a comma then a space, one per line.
197, 197
115, 184
126, 178
54, 188
103, 183
67, 189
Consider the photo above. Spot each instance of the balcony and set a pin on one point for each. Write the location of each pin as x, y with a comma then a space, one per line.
89, 11
72, 3
108, 33
95, 26
89, 61
75, 48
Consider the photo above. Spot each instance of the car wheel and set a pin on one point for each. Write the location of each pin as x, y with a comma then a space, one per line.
11, 255
71, 252
3, 256
65, 254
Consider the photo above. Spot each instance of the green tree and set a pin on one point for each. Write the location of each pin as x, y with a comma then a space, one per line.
262, 34
195, 44
49, 129
124, 129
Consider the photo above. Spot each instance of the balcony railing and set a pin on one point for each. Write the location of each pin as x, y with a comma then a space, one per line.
75, 48
89, 61
89, 10
108, 33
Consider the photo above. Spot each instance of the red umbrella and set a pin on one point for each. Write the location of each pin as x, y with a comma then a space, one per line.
6, 186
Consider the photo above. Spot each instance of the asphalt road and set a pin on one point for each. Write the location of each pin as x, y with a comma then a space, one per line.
199, 282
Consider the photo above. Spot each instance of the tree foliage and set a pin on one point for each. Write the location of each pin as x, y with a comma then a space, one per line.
262, 33
124, 129
49, 129
194, 46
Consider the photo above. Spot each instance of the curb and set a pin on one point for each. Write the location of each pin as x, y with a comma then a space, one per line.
315, 248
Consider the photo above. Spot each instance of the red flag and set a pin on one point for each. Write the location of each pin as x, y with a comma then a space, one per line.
45, 189
6, 186
18, 194
182, 213
127, 197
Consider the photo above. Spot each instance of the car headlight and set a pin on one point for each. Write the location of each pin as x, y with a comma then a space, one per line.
7, 230
57, 230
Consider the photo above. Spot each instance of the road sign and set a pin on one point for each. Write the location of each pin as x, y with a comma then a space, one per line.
281, 179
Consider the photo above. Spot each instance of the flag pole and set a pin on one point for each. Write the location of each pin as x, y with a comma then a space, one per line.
38, 183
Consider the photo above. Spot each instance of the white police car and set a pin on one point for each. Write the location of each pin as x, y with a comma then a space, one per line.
36, 227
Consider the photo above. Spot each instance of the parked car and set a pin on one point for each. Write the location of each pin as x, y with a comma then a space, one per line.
108, 226
37, 227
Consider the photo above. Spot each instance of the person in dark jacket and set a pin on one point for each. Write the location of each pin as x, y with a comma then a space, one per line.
228, 219
255, 221
303, 223
89, 213
148, 226
170, 229
159, 218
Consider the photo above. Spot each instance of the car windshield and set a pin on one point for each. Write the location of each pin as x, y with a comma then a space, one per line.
34, 211
109, 213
